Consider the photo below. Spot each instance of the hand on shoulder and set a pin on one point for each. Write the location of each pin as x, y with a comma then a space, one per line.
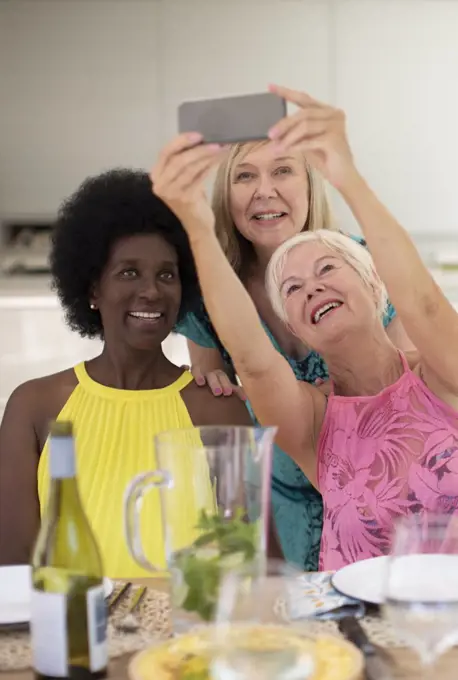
218, 381
206, 408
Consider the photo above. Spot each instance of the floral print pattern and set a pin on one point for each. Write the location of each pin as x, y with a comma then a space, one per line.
380, 458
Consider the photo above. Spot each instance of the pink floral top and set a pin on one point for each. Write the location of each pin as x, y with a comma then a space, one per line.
380, 457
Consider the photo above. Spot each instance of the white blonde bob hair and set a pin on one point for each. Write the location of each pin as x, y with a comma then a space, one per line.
352, 252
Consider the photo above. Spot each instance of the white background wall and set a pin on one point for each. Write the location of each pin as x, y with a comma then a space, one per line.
87, 85
78, 94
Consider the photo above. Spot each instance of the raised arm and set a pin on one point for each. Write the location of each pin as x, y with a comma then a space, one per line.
419, 301
277, 397
428, 317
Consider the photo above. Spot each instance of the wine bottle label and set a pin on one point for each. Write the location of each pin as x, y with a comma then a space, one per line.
50, 635
62, 458
97, 628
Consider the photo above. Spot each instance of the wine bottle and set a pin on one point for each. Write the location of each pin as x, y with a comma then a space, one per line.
68, 609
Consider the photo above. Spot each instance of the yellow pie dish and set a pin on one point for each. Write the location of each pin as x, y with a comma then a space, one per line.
188, 657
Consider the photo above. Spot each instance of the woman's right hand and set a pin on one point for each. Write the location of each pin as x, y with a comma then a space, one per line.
218, 381
178, 179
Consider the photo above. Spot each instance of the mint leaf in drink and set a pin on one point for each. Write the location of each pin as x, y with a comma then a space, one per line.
207, 522
224, 543
205, 539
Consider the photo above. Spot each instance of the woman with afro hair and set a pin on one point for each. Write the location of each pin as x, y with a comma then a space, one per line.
123, 271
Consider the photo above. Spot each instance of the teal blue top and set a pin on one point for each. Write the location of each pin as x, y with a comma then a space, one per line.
297, 505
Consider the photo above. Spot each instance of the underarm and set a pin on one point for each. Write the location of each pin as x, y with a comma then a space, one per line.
398, 336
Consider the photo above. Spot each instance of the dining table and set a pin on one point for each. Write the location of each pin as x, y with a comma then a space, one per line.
404, 663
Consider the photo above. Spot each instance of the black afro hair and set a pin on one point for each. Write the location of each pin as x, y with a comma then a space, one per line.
104, 209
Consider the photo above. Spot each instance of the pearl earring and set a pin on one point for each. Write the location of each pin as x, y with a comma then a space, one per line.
93, 306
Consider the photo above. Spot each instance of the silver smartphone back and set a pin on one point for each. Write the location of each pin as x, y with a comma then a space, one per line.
232, 119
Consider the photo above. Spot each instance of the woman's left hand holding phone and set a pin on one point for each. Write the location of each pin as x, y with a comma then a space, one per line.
178, 179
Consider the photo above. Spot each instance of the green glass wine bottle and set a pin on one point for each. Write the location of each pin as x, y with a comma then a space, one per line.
68, 614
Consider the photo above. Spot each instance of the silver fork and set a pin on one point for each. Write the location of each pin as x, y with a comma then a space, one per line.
130, 622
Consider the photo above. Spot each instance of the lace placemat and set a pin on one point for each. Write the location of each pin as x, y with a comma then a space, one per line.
154, 616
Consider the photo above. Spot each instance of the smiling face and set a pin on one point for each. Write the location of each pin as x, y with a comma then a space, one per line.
139, 293
269, 195
324, 297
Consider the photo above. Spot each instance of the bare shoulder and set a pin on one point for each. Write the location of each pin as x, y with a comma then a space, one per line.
206, 409
41, 399
39, 390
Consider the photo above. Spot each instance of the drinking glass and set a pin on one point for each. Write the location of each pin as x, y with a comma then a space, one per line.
253, 640
421, 593
214, 486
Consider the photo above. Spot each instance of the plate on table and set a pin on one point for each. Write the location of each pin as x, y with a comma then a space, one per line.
15, 592
364, 580
188, 656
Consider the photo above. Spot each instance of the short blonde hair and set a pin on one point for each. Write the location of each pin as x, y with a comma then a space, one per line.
239, 251
352, 252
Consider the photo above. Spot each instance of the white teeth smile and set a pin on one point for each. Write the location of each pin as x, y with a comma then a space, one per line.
146, 315
324, 310
269, 216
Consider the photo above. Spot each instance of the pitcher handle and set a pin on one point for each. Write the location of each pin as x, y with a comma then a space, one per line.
133, 498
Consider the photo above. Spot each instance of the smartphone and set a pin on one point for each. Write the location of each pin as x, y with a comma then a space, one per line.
232, 119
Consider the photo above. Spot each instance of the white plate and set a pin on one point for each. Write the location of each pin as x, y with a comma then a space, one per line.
366, 580
362, 580
15, 589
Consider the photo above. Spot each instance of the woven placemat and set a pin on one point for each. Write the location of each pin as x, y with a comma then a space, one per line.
379, 631
154, 615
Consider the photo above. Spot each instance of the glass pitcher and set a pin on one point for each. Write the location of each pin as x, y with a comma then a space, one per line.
214, 485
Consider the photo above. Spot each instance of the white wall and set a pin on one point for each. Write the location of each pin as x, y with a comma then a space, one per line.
78, 95
397, 79
227, 48
89, 85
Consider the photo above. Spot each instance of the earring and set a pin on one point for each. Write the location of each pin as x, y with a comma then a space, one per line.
93, 306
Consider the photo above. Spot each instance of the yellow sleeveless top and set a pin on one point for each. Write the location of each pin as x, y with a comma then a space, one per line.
114, 431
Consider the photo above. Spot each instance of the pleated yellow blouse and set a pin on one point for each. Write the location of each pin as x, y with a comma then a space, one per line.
114, 432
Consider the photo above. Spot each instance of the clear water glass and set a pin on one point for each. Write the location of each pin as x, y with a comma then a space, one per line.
253, 640
421, 590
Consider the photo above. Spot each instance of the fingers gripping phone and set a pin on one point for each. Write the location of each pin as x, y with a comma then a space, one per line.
232, 119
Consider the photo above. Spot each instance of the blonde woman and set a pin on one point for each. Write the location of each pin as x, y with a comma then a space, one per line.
261, 198
384, 443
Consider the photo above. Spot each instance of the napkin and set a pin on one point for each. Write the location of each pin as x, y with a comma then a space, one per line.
314, 597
